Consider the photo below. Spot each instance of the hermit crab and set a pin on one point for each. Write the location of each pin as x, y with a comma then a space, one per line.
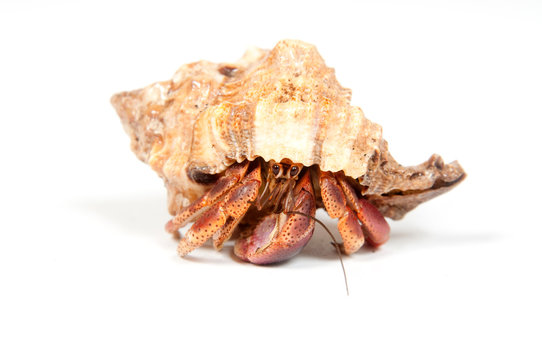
260, 144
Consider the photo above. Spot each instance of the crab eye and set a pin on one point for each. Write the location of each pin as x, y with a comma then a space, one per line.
294, 170
276, 169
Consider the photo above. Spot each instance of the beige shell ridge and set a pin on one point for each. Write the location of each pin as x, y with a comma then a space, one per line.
277, 104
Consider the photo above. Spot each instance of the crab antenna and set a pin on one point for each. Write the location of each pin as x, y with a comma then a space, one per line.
334, 243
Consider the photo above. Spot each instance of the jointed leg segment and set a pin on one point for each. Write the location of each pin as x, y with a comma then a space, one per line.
233, 175
341, 201
229, 204
336, 205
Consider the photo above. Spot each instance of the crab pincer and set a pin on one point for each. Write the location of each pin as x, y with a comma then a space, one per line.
374, 225
278, 237
341, 201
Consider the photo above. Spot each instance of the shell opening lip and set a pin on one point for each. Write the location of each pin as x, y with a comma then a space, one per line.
201, 177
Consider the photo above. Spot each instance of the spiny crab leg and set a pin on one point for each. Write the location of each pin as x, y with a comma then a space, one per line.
341, 201
225, 183
278, 237
336, 206
375, 226
220, 220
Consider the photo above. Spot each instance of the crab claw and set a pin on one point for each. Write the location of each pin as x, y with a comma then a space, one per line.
278, 237
336, 206
375, 227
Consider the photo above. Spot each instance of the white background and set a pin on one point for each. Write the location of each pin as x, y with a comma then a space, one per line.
87, 271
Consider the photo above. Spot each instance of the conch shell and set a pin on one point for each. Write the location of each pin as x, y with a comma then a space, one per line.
277, 104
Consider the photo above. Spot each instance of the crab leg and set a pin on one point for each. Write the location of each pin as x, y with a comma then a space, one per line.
220, 220
280, 236
232, 176
336, 206
375, 226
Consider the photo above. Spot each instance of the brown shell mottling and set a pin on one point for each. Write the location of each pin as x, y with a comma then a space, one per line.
276, 104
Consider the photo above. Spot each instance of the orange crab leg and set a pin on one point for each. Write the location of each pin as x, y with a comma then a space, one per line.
336, 206
375, 226
220, 220
237, 204
278, 237
225, 183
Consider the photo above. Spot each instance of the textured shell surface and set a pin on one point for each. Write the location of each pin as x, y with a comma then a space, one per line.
277, 104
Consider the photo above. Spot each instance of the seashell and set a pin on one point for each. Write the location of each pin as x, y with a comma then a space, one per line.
282, 104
